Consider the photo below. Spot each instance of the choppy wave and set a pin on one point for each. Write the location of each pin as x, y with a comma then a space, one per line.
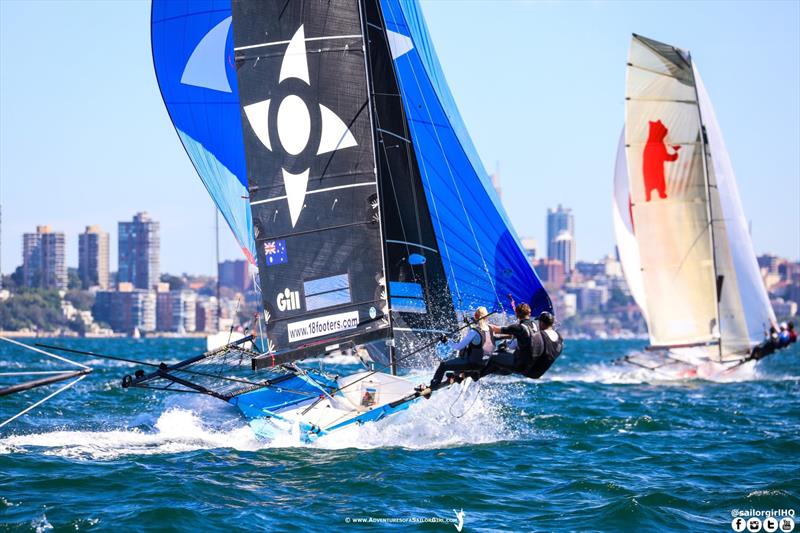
622, 373
592, 446
460, 415
176, 431
465, 414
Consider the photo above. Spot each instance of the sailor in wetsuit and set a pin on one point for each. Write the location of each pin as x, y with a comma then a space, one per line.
473, 349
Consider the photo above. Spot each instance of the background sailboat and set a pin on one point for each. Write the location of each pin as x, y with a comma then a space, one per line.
681, 231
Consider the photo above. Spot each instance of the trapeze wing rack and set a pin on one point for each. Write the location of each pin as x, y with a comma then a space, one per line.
79, 372
223, 373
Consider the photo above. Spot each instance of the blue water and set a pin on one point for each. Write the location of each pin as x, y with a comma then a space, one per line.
593, 447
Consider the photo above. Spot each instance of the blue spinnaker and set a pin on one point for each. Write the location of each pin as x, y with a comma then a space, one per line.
483, 256
192, 46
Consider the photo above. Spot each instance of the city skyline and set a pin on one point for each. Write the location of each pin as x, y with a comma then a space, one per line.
110, 150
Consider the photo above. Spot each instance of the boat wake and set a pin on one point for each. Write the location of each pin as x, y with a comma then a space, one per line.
465, 414
176, 431
614, 373
460, 415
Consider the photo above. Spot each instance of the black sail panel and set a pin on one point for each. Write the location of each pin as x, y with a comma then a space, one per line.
420, 301
311, 169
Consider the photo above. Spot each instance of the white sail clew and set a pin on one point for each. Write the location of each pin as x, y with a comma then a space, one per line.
697, 282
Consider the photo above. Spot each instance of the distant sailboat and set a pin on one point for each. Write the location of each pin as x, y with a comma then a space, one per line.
681, 232
327, 136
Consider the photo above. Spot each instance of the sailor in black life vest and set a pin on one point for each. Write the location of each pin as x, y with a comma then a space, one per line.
537, 347
523, 332
473, 350
551, 345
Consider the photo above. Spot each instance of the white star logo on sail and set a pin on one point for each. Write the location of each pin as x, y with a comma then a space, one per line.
294, 124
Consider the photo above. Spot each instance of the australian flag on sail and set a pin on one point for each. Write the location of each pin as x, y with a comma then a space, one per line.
275, 252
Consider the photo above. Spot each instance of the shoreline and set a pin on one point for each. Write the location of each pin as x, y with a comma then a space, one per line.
58, 334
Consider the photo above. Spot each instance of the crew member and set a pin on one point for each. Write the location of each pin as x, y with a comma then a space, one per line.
473, 348
551, 345
524, 331
792, 332
784, 338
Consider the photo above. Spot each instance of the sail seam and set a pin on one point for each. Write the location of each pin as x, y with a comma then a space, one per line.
634, 99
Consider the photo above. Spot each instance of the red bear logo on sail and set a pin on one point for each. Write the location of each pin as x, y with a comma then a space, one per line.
655, 155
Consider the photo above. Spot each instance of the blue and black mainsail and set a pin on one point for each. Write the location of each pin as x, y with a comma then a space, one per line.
328, 137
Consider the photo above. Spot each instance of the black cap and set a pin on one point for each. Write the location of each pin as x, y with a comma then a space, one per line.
546, 318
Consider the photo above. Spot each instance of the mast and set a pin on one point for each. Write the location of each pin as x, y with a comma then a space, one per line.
306, 116
704, 148
390, 341
216, 243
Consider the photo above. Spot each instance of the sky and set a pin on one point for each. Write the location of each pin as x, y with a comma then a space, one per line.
85, 138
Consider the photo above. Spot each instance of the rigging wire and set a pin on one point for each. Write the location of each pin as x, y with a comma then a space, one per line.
43, 400
160, 366
54, 356
474, 400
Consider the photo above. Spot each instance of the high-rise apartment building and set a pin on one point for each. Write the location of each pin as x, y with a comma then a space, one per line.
207, 314
176, 310
43, 261
551, 272
563, 249
559, 221
234, 274
127, 309
93, 257
529, 245
139, 247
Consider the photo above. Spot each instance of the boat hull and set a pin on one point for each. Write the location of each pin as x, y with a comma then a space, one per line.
355, 399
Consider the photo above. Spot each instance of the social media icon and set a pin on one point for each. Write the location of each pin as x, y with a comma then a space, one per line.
753, 525
770, 524
786, 524
738, 524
